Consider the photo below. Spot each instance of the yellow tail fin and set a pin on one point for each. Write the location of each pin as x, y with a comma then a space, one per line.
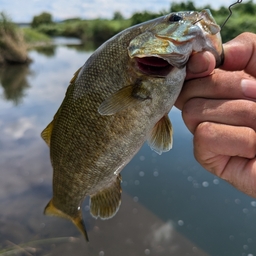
51, 210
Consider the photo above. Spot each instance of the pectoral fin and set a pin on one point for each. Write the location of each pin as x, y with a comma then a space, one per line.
128, 96
105, 203
118, 101
160, 138
51, 210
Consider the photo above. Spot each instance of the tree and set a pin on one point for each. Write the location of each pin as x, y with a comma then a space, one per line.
187, 6
43, 18
247, 8
118, 16
140, 17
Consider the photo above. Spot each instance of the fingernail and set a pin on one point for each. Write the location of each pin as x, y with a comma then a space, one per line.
249, 88
198, 63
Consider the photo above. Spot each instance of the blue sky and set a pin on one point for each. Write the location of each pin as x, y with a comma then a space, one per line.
23, 11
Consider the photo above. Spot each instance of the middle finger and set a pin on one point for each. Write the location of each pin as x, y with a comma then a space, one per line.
238, 112
220, 84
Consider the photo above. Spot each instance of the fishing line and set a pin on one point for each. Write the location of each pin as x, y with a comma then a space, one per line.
230, 12
197, 21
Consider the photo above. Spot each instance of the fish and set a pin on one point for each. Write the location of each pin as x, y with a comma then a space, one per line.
119, 99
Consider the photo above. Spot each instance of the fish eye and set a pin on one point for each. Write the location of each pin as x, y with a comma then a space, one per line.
175, 18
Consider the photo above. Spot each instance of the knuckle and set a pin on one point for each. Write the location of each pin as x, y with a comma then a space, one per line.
251, 137
192, 112
247, 112
203, 133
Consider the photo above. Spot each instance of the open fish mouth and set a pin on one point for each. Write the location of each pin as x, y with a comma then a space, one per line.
154, 66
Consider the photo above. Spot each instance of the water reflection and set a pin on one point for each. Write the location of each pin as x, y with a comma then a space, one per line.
13, 79
170, 205
48, 50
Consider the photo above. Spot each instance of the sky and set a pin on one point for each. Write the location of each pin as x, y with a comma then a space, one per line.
24, 11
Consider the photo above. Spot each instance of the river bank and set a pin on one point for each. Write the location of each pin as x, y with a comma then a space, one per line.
13, 48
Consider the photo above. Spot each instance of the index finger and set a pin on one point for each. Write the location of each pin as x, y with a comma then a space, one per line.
240, 54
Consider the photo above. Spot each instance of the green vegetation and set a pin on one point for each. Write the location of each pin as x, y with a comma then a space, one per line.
140, 17
12, 45
184, 6
34, 37
43, 18
99, 30
96, 31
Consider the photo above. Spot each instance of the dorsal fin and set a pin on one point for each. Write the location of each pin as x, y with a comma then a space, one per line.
105, 203
75, 76
47, 132
160, 138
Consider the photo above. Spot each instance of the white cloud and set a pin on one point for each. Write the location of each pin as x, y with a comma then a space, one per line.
18, 128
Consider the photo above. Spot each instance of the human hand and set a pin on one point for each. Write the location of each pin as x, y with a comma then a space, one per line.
220, 110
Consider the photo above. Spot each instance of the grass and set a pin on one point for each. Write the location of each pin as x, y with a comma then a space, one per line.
35, 38
31, 247
13, 48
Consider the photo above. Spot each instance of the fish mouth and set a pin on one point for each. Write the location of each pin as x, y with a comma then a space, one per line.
153, 66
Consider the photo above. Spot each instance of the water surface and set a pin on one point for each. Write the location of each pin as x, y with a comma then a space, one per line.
170, 205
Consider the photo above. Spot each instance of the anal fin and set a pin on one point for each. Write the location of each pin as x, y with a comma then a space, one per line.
160, 138
105, 203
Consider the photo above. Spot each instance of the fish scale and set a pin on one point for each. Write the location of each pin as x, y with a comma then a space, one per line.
116, 102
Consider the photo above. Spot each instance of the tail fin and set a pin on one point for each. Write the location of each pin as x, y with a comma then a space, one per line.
51, 210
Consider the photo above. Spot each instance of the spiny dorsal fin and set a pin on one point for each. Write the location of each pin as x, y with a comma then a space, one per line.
47, 133
51, 210
105, 203
160, 138
75, 76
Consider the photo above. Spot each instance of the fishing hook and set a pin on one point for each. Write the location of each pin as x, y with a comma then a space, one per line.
230, 12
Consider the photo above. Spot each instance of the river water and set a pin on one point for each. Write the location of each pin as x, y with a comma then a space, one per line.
170, 205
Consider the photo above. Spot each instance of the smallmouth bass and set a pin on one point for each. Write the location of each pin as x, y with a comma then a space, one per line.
116, 101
